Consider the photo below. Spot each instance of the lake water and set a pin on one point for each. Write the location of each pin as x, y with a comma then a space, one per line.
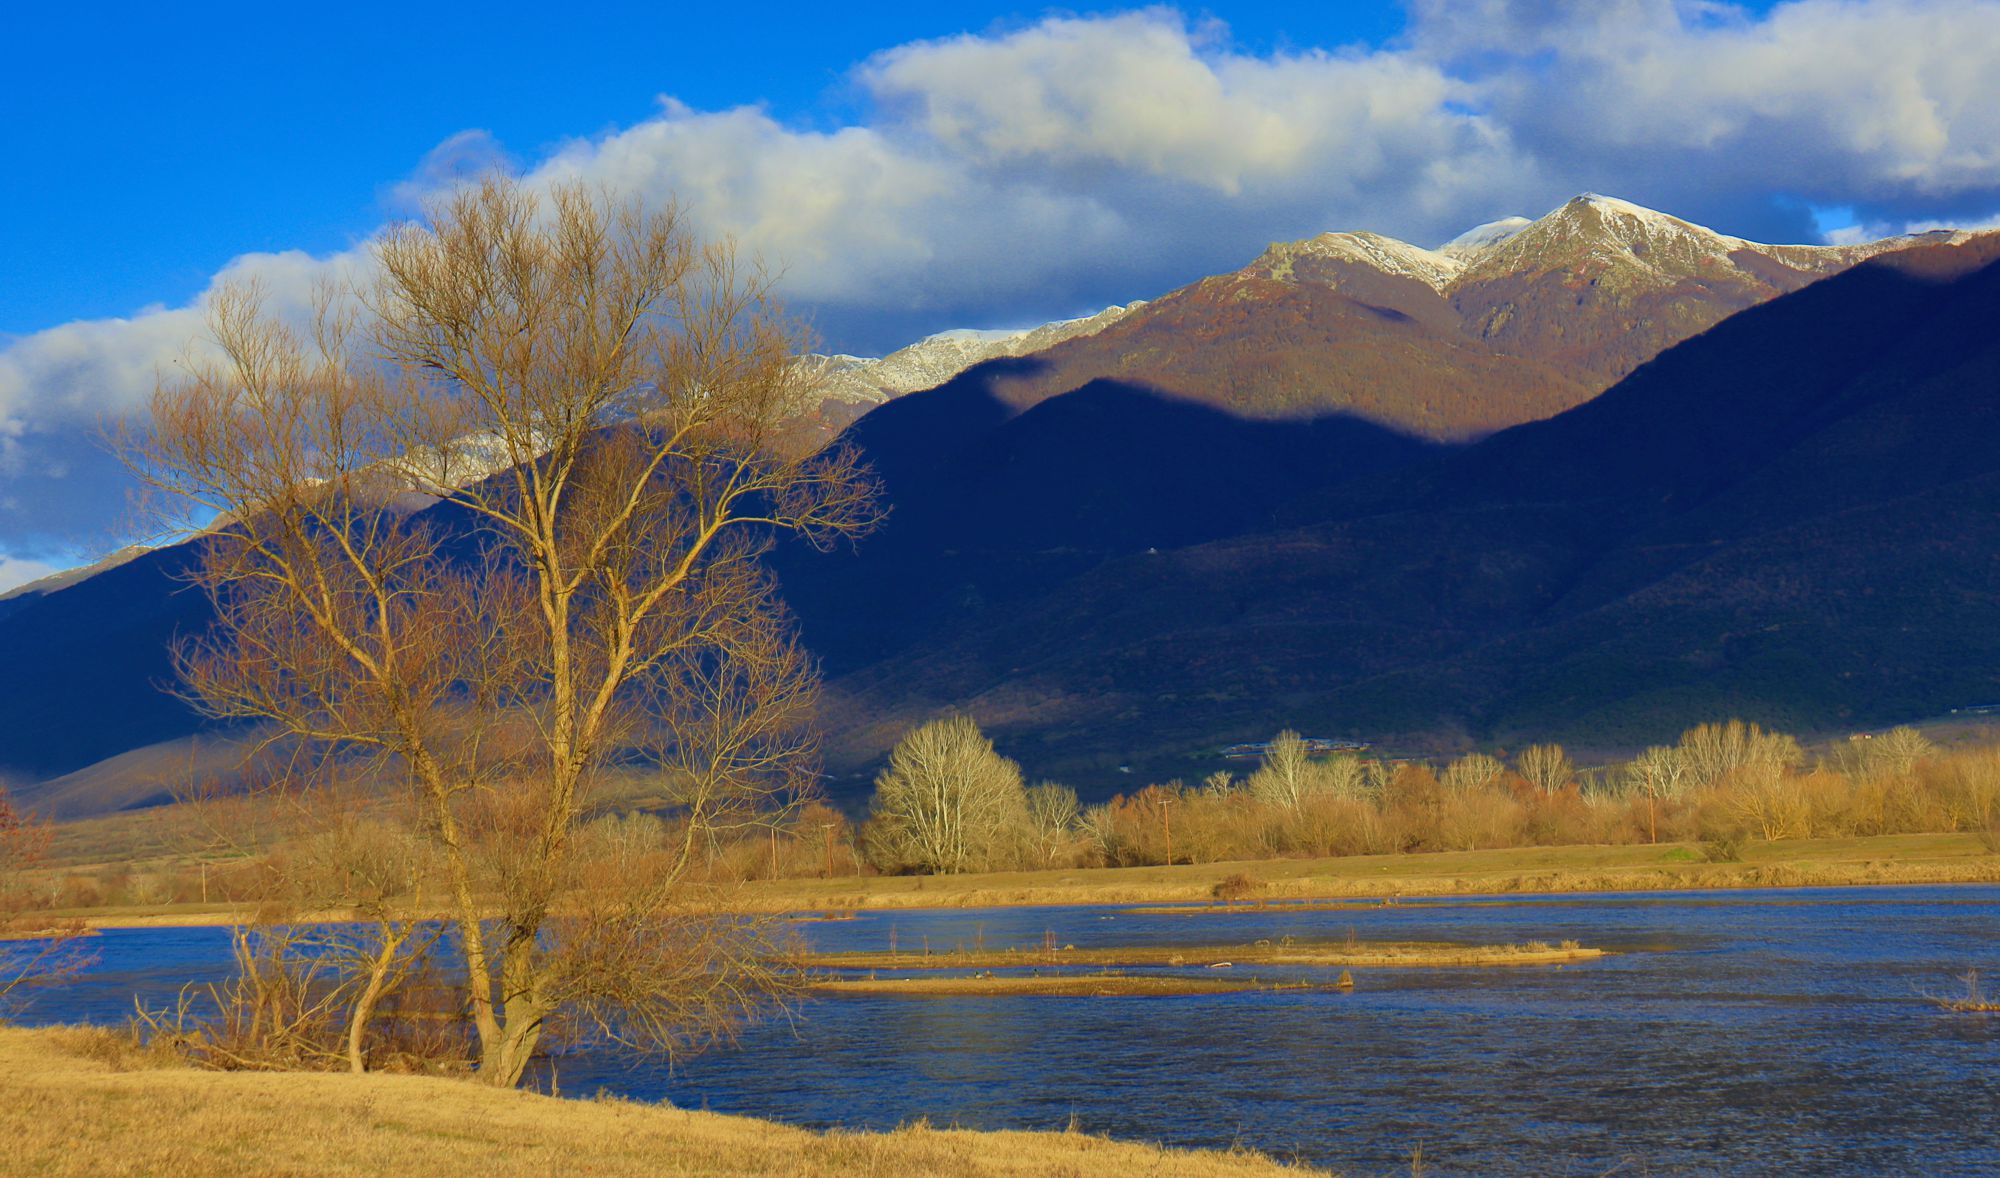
1761, 1032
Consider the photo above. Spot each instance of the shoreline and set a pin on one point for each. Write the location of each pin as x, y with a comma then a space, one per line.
77, 1101
1874, 861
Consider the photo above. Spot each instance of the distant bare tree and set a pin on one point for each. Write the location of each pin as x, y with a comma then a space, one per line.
1546, 766
1471, 773
1380, 774
1660, 774
1770, 801
946, 802
1342, 776
1285, 776
594, 396
1712, 751
1052, 816
1899, 749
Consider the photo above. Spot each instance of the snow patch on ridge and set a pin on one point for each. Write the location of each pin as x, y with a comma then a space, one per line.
1590, 233
935, 359
1483, 237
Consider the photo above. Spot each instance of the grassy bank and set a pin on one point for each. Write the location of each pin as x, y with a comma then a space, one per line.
78, 1103
1846, 862
1886, 859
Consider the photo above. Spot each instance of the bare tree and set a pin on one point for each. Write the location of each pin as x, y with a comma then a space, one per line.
1661, 774
1899, 749
1379, 775
1712, 751
1284, 778
1052, 816
1546, 766
592, 396
1471, 773
372, 869
946, 802
1342, 776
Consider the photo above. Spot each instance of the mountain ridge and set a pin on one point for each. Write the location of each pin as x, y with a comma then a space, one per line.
1513, 321
1793, 516
1056, 560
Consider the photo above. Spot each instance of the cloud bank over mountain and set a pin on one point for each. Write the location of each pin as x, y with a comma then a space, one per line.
1052, 168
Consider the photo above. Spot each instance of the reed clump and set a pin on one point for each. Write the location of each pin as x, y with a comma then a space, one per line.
1973, 1000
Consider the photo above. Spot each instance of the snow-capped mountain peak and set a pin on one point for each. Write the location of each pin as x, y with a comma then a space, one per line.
1373, 251
937, 358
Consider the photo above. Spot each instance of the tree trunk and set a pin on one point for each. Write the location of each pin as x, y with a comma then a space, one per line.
504, 1056
379, 971
505, 1060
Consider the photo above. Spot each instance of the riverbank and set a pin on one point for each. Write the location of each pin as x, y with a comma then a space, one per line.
80, 1102
1358, 955
1846, 862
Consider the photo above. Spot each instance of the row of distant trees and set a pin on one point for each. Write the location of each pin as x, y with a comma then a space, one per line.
947, 802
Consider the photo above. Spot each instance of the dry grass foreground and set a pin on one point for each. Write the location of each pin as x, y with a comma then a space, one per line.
77, 1102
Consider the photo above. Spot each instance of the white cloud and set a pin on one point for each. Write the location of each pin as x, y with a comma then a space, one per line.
850, 215
1142, 93
63, 389
1063, 166
16, 571
1046, 170
1877, 230
1971, 224
1077, 161
1849, 101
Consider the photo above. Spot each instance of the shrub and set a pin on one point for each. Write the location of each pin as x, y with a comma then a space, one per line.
1235, 887
1723, 848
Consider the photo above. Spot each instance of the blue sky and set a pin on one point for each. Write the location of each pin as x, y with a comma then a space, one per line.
170, 138
910, 168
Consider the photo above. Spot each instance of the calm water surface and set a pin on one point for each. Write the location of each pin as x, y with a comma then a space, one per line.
1763, 1032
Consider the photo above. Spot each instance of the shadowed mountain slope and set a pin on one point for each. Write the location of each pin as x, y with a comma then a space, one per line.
1789, 514
991, 507
89, 666
1792, 515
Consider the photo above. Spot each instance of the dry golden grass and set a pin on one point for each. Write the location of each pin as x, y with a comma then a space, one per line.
74, 1102
1884, 859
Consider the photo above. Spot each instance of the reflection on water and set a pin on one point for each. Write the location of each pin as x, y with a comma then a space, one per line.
1758, 1032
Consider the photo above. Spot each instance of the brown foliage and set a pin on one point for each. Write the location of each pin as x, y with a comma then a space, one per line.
1724, 782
